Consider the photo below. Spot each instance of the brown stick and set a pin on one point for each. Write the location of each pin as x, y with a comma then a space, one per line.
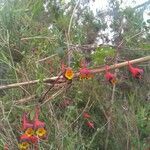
14, 85
135, 61
30, 98
98, 70
24, 100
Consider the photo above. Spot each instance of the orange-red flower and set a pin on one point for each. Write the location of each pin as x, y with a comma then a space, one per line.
32, 131
34, 139
29, 132
90, 124
86, 115
67, 71
69, 74
25, 137
85, 73
110, 77
136, 72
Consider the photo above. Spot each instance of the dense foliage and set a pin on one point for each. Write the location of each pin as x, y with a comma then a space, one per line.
36, 36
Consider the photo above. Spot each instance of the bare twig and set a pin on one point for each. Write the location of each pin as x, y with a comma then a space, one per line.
46, 58
81, 112
50, 80
37, 37
24, 100
54, 95
120, 65
43, 96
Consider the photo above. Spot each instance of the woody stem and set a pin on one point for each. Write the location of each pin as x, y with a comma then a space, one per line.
94, 71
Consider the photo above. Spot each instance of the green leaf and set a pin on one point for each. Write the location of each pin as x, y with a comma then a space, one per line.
101, 53
60, 51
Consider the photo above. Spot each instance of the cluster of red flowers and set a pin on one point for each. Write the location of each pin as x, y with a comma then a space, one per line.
87, 117
110, 76
33, 131
136, 72
85, 73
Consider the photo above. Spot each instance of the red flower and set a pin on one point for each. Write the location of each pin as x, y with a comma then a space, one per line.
37, 123
25, 123
110, 77
25, 137
90, 124
34, 139
85, 73
86, 115
136, 72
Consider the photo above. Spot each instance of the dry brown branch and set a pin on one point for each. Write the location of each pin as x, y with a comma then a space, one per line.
14, 85
120, 65
75, 120
24, 100
30, 98
97, 70
54, 95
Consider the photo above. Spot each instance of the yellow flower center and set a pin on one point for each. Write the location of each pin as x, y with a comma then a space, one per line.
41, 132
113, 81
24, 146
29, 132
69, 73
86, 76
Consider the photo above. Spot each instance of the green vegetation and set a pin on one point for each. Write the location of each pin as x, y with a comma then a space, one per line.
36, 36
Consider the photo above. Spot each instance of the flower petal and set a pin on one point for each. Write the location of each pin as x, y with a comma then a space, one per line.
69, 73
24, 137
86, 115
90, 124
29, 132
37, 123
25, 122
